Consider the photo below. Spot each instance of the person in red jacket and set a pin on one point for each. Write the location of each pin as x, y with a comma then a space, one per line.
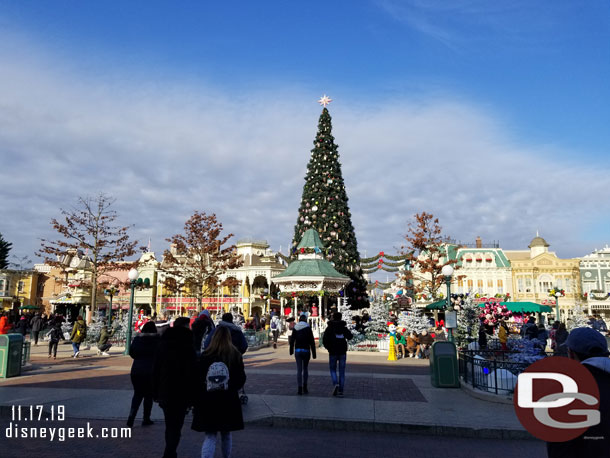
4, 324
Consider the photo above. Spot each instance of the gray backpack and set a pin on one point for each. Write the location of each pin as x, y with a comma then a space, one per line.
218, 377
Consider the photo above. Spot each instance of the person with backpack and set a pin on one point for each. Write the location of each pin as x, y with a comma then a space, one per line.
218, 408
55, 335
275, 326
174, 380
335, 340
201, 328
78, 335
303, 346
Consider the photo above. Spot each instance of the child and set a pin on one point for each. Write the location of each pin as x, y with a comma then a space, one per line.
55, 335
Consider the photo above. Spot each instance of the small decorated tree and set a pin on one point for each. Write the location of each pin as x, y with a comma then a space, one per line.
468, 319
379, 319
413, 320
493, 313
346, 314
578, 319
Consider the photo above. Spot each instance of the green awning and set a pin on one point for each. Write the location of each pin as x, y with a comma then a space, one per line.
438, 305
29, 307
525, 307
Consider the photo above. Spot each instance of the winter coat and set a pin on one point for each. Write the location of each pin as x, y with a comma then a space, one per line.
174, 368
162, 326
530, 331
335, 337
237, 336
104, 336
79, 332
56, 334
21, 326
426, 339
412, 342
4, 325
399, 339
302, 338
219, 410
36, 323
600, 369
276, 324
201, 327
143, 350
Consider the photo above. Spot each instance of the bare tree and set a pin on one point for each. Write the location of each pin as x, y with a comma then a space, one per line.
90, 226
424, 249
197, 257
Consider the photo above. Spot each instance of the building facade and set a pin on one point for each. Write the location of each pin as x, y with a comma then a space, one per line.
595, 278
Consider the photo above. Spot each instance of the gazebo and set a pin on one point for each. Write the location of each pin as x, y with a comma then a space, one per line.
310, 275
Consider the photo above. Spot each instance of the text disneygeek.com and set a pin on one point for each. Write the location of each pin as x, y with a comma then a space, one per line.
22, 418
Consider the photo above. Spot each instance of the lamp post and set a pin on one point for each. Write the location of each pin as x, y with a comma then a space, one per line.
447, 272
110, 292
133, 277
557, 296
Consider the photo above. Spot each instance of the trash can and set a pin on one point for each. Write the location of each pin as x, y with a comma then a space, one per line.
444, 365
11, 348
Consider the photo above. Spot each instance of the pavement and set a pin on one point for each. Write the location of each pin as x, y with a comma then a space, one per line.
380, 396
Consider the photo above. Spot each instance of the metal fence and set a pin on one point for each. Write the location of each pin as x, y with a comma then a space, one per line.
256, 339
491, 370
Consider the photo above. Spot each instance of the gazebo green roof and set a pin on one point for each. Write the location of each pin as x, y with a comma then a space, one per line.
438, 305
311, 239
311, 268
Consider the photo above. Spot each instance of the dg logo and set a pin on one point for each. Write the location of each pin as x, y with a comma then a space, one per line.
557, 399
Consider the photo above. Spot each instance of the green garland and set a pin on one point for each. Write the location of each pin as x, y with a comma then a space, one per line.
401, 257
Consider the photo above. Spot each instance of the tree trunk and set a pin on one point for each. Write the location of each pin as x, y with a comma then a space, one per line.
93, 297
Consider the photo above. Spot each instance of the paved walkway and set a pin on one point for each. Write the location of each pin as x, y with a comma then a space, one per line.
380, 395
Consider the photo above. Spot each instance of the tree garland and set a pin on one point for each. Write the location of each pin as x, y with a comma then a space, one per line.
381, 254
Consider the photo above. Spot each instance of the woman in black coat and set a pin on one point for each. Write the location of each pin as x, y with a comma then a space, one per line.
303, 345
218, 409
143, 350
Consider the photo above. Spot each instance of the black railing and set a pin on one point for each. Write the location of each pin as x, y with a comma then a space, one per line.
491, 370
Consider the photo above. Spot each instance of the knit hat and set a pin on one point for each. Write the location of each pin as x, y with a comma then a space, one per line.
587, 341
205, 312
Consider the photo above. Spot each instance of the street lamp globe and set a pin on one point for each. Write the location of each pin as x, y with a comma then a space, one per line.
447, 270
133, 274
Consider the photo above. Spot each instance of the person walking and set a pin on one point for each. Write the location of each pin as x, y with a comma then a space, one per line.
276, 328
143, 350
21, 327
55, 335
174, 380
218, 408
237, 336
303, 346
201, 327
560, 340
36, 324
5, 326
78, 335
590, 348
102, 344
335, 341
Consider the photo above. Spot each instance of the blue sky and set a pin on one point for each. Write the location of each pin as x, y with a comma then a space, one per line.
492, 115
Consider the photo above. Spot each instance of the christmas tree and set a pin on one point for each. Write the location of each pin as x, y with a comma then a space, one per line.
578, 319
346, 314
324, 208
468, 319
413, 320
379, 319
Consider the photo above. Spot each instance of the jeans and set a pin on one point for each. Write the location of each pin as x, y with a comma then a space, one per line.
332, 362
302, 359
75, 347
53, 347
142, 389
174, 419
209, 445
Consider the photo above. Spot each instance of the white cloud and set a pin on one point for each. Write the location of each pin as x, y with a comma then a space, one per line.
167, 149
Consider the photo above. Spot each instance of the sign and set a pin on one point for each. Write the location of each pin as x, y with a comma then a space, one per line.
451, 319
557, 399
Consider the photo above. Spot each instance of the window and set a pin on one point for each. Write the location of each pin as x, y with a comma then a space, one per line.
480, 286
528, 285
490, 284
1, 286
470, 285
500, 287
460, 285
559, 283
20, 286
520, 284
568, 285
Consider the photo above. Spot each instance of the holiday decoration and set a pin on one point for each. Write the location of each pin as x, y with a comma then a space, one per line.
379, 318
468, 318
578, 319
392, 352
413, 321
324, 201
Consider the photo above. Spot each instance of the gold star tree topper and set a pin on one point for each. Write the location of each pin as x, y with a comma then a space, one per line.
324, 100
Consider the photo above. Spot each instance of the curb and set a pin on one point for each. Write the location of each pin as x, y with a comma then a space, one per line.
278, 421
488, 397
